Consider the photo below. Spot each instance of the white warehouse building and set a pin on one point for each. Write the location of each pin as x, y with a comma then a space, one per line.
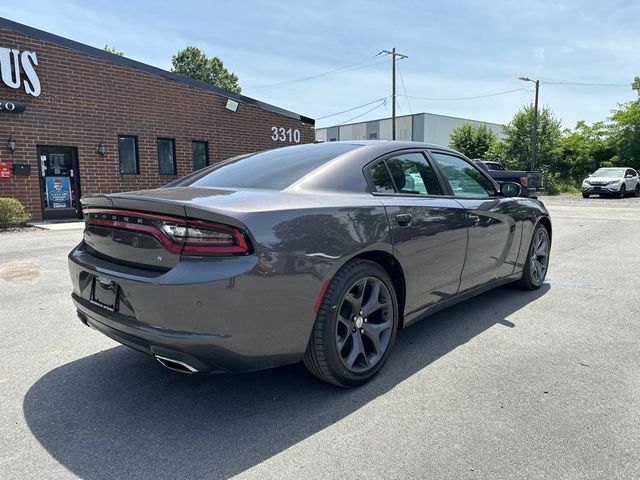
419, 127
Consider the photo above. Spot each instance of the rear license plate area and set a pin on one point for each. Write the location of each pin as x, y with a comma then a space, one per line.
104, 293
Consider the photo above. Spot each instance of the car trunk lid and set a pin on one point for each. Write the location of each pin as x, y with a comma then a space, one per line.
151, 229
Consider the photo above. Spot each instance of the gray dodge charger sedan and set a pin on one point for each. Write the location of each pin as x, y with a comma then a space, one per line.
318, 252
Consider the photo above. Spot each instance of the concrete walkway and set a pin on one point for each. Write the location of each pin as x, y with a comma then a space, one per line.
70, 225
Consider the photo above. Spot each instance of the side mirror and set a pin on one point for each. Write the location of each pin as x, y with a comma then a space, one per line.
510, 189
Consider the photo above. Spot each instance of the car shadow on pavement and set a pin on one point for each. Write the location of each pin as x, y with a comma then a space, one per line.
118, 414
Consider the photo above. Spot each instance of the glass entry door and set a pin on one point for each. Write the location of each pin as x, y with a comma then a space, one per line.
59, 182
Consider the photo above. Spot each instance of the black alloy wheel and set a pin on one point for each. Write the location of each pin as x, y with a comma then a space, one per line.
623, 191
535, 269
355, 326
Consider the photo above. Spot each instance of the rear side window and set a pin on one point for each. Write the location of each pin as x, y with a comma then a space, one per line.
273, 169
381, 179
406, 173
465, 179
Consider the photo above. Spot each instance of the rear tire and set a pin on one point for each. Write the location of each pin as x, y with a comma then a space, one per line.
537, 262
355, 326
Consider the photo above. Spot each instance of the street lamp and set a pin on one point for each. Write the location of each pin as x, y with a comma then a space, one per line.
534, 133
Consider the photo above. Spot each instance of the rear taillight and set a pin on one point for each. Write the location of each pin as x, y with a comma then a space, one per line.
199, 237
190, 237
524, 181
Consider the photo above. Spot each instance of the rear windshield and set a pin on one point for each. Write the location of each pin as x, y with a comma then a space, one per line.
494, 166
273, 169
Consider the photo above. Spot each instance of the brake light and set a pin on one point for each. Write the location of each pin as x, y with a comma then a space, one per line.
185, 236
524, 181
201, 237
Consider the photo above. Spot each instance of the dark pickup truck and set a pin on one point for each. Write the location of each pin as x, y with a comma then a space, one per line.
532, 182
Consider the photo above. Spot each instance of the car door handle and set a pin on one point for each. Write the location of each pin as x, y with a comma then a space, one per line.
404, 219
474, 219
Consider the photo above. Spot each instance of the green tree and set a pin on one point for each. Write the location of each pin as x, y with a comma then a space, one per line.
193, 63
515, 151
626, 130
109, 49
583, 150
473, 141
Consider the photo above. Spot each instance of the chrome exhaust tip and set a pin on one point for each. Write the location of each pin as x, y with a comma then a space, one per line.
176, 365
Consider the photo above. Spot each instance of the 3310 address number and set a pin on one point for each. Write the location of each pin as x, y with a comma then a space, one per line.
281, 134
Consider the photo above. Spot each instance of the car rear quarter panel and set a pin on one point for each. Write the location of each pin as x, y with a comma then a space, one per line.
296, 250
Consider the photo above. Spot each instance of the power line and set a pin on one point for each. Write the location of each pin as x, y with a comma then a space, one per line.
582, 84
383, 103
351, 109
366, 63
405, 89
470, 98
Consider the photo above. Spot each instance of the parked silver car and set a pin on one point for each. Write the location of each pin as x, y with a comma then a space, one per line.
615, 181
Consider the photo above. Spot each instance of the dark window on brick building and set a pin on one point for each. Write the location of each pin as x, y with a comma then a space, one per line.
128, 153
167, 156
200, 152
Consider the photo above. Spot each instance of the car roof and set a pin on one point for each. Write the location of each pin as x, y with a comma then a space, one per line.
344, 172
616, 168
395, 144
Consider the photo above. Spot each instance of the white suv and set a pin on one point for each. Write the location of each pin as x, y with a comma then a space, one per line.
616, 181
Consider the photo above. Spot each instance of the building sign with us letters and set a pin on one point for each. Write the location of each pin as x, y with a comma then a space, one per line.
59, 192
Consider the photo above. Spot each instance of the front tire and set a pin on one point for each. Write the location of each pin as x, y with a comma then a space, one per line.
636, 191
355, 326
537, 263
585, 195
623, 191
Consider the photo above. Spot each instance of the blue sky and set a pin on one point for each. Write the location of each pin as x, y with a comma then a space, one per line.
455, 48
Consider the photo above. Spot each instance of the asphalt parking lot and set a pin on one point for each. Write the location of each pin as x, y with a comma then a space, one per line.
508, 385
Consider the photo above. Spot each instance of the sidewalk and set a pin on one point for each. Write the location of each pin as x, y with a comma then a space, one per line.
67, 225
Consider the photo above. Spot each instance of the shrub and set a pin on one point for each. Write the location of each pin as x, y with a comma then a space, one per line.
551, 183
12, 213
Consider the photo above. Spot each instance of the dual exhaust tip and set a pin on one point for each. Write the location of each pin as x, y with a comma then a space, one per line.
176, 365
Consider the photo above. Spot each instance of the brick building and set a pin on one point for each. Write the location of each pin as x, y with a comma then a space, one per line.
75, 120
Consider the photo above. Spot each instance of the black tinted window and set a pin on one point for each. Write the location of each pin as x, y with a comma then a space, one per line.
166, 156
465, 179
200, 154
405, 173
380, 178
412, 174
273, 169
128, 154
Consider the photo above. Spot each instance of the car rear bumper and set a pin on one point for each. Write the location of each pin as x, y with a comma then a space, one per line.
215, 315
533, 192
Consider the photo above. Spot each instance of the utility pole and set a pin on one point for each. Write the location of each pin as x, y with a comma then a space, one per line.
534, 146
394, 55
534, 132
